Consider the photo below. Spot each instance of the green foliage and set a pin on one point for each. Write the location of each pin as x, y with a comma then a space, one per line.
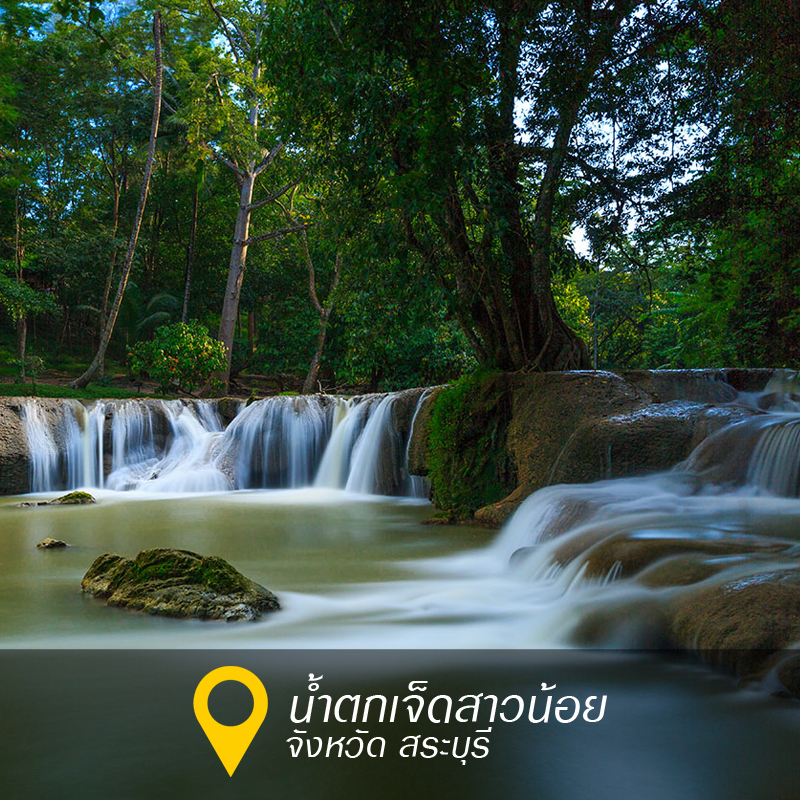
467, 457
421, 140
21, 300
183, 354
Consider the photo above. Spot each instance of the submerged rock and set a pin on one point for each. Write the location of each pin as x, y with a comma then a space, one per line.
742, 623
51, 544
177, 583
71, 499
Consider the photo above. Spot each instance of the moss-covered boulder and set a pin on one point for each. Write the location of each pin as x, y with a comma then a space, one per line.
71, 499
468, 458
177, 583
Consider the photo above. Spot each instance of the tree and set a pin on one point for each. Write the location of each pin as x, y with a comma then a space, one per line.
323, 309
465, 120
105, 338
240, 72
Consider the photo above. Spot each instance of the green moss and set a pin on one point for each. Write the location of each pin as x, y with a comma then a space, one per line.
74, 499
468, 459
210, 571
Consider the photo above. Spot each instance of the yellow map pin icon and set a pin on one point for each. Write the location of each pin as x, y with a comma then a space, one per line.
230, 741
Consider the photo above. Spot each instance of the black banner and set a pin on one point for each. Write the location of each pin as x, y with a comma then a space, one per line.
120, 725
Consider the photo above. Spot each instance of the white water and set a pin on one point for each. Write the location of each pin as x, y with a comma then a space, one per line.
536, 585
176, 446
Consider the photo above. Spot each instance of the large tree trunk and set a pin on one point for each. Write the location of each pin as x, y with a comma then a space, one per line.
310, 383
233, 289
137, 223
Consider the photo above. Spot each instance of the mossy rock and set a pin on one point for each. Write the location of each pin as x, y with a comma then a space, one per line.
71, 499
468, 460
51, 544
177, 583
228, 408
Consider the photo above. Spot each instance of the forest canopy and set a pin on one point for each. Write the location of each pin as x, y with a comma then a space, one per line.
376, 196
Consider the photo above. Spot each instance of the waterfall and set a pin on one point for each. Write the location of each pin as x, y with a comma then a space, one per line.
278, 442
377, 440
615, 554
775, 464
348, 422
418, 486
43, 453
182, 446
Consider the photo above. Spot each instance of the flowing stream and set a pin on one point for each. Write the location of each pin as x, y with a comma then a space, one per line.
338, 534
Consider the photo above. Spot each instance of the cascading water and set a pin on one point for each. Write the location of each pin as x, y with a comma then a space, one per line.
277, 443
182, 446
41, 447
627, 547
417, 485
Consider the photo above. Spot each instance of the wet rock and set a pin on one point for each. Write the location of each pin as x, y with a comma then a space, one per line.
228, 408
51, 544
403, 409
630, 553
749, 380
651, 439
547, 409
418, 446
71, 499
788, 674
694, 385
680, 570
742, 623
177, 583
13, 449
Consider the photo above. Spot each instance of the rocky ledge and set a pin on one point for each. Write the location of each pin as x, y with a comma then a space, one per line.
177, 583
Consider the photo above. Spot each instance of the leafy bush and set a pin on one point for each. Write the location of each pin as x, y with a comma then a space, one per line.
181, 353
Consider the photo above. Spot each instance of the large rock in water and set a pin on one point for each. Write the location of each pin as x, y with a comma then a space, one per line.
76, 498
651, 439
177, 583
547, 409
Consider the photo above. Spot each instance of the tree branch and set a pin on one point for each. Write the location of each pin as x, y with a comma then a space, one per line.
275, 234
273, 197
225, 30
219, 157
268, 159
121, 57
